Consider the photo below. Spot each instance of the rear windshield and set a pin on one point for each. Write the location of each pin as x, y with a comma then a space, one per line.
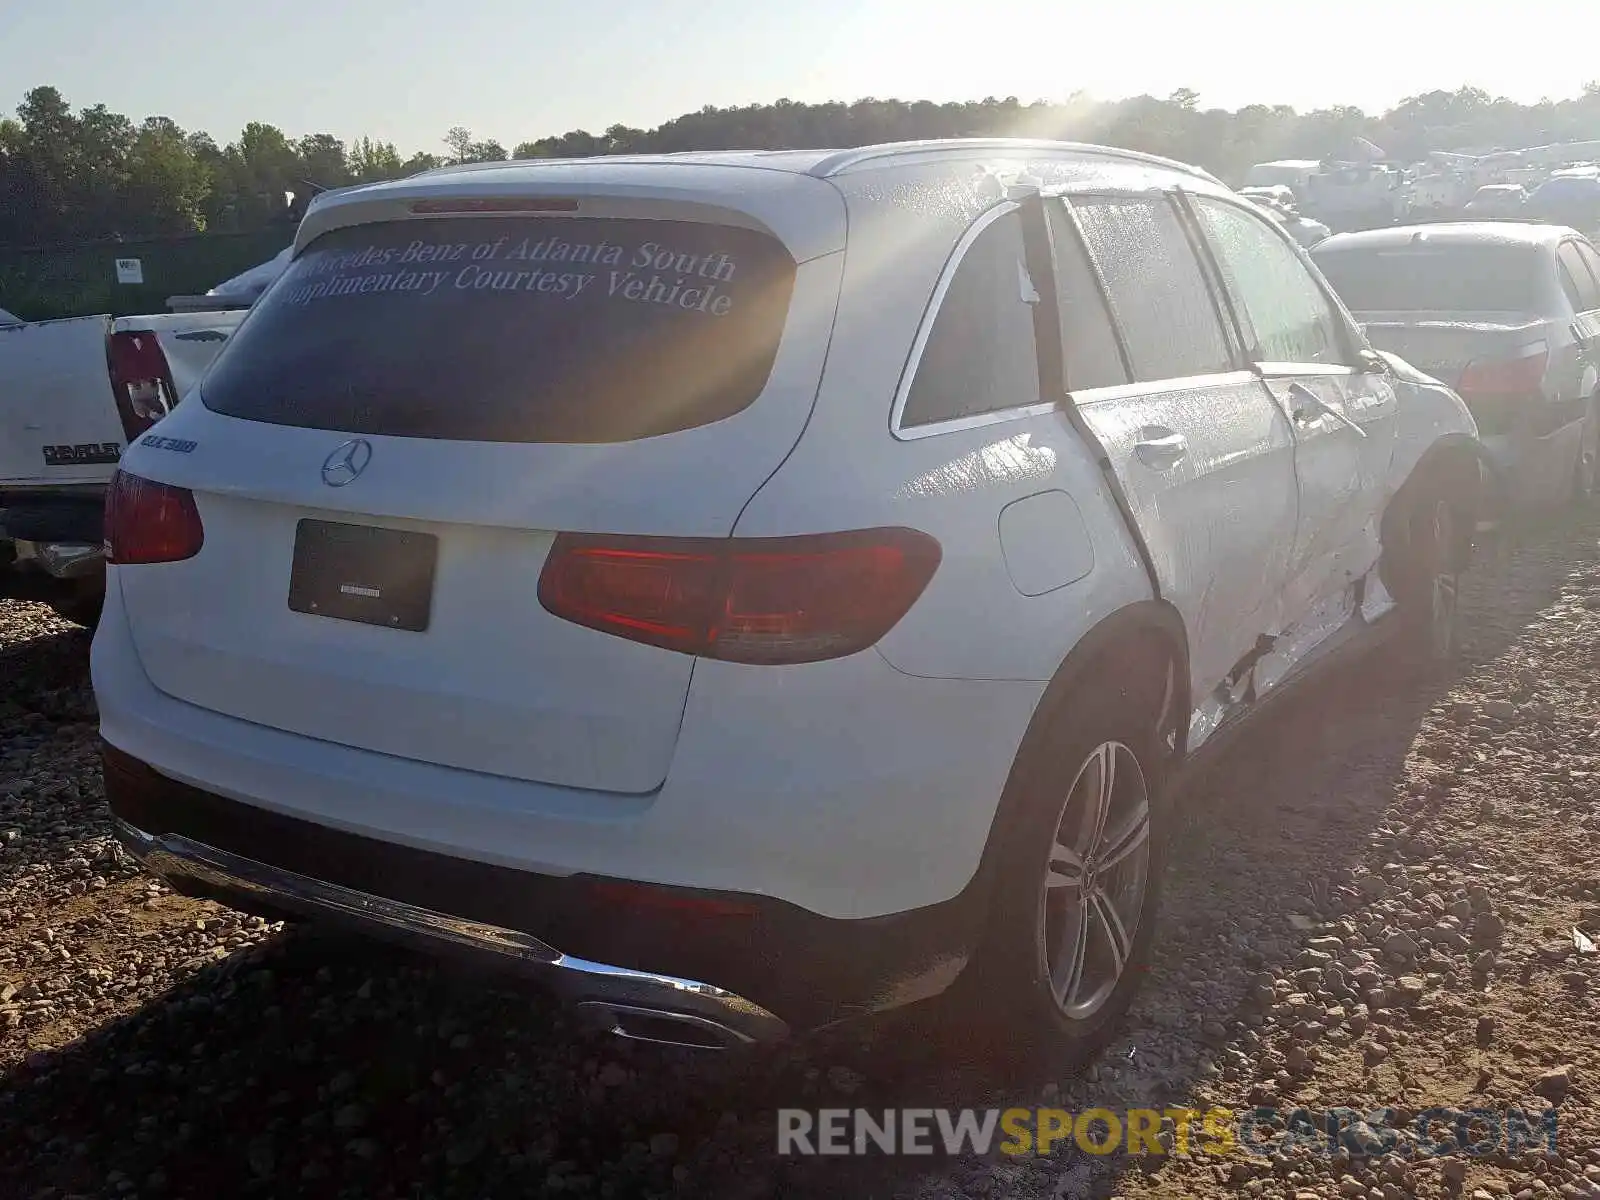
512, 329
1441, 279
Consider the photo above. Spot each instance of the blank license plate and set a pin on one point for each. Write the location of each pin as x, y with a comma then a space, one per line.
363, 573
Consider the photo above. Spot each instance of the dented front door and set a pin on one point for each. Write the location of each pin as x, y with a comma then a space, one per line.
1342, 416
1343, 424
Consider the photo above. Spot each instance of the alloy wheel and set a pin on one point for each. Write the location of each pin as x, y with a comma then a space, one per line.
1444, 583
1096, 881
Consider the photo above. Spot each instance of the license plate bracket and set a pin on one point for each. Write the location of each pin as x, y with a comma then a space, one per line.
363, 573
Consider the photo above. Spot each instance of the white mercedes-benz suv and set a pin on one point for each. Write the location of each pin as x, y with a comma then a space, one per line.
748, 590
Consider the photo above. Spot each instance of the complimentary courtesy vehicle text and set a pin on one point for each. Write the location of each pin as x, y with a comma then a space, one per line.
748, 591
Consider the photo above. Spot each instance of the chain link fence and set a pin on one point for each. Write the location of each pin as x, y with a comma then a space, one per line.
73, 280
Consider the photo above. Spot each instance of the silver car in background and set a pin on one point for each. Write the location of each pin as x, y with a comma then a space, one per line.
1508, 314
1497, 200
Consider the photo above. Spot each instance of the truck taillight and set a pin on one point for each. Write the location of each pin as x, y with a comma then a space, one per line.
140, 379
750, 600
1504, 377
150, 522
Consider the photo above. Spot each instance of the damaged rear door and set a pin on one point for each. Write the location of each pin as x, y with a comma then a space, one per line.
1201, 452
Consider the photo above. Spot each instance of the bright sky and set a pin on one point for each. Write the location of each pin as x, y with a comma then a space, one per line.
405, 71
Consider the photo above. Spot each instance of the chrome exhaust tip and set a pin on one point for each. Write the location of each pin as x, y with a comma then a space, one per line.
664, 1028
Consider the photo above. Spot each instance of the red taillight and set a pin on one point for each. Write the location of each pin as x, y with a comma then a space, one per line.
1504, 377
140, 378
149, 522
751, 600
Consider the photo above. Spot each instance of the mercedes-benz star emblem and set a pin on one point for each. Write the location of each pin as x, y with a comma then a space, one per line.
346, 462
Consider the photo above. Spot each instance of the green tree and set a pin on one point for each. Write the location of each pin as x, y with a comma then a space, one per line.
167, 184
420, 161
323, 160
94, 173
489, 151
371, 161
464, 149
264, 169
458, 140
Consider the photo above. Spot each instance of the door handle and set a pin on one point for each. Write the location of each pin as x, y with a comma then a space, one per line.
1160, 448
1308, 406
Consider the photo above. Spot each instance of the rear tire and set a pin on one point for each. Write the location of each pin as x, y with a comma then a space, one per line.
1433, 611
1074, 904
1586, 471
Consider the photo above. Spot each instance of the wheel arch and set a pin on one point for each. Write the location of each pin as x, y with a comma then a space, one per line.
1457, 462
1149, 634
1136, 626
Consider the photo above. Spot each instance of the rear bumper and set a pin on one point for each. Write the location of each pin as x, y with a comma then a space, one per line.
1535, 471
74, 514
739, 968
696, 1013
56, 537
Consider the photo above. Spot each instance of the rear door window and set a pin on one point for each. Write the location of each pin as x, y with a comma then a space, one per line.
1157, 291
543, 329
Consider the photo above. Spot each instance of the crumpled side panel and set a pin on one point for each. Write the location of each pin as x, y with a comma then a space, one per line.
1219, 519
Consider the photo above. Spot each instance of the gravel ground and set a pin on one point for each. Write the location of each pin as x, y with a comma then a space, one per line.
1373, 904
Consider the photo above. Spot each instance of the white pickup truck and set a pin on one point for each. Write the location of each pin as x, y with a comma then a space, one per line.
73, 394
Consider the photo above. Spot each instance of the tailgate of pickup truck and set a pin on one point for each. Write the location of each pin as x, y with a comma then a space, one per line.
58, 417
189, 341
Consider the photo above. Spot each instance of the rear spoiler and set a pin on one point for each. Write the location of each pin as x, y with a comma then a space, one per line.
189, 304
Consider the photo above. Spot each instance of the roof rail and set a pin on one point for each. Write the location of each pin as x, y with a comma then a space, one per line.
843, 160
1480, 219
467, 168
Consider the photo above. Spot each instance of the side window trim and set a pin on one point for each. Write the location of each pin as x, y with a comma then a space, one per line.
1590, 257
1070, 217
908, 374
1569, 286
1211, 271
1579, 302
1039, 262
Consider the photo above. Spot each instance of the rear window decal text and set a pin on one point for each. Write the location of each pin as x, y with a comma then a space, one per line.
649, 272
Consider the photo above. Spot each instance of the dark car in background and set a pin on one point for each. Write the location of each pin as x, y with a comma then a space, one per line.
1568, 199
1508, 314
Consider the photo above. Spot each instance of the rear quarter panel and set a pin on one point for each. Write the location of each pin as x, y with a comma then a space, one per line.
849, 471
974, 621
